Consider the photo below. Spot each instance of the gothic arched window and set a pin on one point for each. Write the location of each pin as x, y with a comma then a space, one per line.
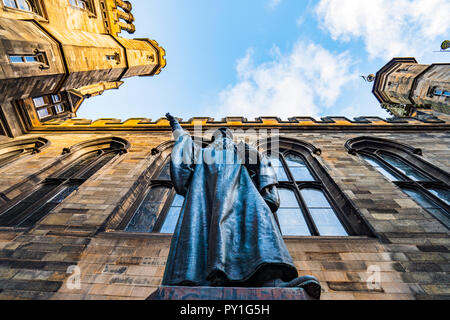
89, 157
51, 106
155, 206
14, 150
423, 182
159, 209
25, 5
83, 4
311, 204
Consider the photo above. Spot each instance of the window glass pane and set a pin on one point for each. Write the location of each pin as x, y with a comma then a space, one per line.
27, 212
165, 173
16, 59
79, 3
23, 209
293, 160
298, 168
39, 101
59, 108
10, 3
322, 213
43, 113
41, 192
275, 161
278, 167
147, 213
171, 220
105, 158
81, 163
24, 5
315, 198
290, 217
381, 168
404, 167
45, 209
327, 222
442, 215
287, 199
301, 174
442, 194
292, 222
430, 206
420, 198
178, 201
64, 193
30, 59
56, 98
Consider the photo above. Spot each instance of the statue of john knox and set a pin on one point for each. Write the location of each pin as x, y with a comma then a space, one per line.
226, 234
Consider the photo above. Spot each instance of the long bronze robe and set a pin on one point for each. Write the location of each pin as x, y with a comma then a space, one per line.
225, 225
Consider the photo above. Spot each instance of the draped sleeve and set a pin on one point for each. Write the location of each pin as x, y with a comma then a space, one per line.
262, 174
268, 183
266, 175
182, 161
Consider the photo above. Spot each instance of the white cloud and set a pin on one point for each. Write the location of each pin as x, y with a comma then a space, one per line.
295, 84
274, 3
388, 28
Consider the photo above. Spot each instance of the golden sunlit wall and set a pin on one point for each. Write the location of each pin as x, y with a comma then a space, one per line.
54, 46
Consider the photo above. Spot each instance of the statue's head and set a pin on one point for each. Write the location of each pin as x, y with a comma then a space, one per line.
222, 133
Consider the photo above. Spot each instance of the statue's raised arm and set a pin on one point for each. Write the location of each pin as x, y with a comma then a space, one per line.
182, 158
175, 125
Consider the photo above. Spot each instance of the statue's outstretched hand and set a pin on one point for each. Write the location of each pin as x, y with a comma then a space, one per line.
173, 122
169, 117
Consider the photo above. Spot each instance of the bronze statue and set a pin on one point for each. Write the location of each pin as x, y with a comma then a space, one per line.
226, 234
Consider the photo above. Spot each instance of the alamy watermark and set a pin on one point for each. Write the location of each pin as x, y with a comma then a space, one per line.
374, 277
74, 281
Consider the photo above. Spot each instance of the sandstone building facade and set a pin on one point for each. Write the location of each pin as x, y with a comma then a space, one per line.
55, 53
87, 208
101, 201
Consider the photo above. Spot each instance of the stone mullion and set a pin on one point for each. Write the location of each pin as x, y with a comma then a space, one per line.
303, 207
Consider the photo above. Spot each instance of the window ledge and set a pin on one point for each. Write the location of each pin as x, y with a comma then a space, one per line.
168, 236
89, 12
13, 229
33, 14
134, 235
330, 238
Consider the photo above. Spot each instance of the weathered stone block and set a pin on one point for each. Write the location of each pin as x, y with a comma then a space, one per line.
219, 293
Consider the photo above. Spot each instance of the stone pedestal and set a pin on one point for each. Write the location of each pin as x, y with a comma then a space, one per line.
219, 293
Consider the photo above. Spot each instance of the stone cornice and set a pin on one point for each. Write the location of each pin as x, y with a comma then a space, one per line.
294, 122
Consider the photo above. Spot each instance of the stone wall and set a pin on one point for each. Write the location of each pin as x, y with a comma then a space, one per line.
438, 76
72, 48
411, 252
400, 80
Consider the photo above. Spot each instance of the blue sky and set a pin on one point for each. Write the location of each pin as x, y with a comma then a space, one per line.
272, 57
